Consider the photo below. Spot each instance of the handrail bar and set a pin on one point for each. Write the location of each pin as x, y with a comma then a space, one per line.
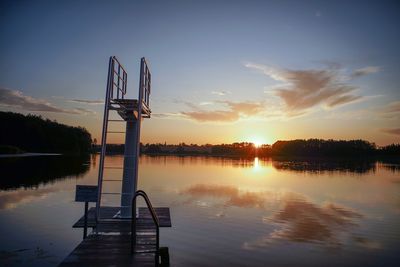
155, 220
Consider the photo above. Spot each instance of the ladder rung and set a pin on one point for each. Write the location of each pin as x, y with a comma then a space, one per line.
115, 132
111, 180
110, 167
116, 120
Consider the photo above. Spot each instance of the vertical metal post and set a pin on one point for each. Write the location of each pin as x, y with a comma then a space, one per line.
128, 176
131, 154
85, 221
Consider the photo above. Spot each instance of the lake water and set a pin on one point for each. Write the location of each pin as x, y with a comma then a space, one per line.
225, 212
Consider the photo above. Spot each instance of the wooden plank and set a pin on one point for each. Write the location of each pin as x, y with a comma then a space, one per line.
114, 249
163, 214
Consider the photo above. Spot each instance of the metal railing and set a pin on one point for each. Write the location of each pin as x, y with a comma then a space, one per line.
155, 220
144, 84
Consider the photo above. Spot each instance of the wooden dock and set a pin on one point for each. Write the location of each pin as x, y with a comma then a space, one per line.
110, 242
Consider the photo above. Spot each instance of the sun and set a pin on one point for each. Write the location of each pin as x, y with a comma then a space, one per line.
257, 140
257, 144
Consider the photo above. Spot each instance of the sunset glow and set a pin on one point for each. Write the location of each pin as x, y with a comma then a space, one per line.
222, 72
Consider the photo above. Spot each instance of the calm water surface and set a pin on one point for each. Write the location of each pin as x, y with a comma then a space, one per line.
225, 212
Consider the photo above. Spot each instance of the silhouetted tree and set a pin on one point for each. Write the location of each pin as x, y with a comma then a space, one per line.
34, 134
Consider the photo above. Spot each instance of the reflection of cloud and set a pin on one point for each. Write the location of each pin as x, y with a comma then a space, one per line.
16, 99
236, 110
11, 199
308, 88
234, 195
303, 221
366, 243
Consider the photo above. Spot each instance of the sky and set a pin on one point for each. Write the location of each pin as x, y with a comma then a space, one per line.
222, 71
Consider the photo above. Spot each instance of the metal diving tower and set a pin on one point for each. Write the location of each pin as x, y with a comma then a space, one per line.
130, 111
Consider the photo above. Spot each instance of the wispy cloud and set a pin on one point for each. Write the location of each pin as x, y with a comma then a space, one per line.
88, 101
274, 73
395, 131
163, 115
391, 111
365, 71
85, 111
234, 111
220, 93
16, 99
304, 89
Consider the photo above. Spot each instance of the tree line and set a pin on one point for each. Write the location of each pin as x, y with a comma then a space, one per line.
292, 148
32, 133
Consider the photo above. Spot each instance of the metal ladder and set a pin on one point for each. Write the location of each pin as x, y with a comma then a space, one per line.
115, 101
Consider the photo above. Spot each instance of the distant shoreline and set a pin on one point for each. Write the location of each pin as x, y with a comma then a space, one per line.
276, 157
21, 155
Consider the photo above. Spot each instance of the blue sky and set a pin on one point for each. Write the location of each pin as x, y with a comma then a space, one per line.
223, 71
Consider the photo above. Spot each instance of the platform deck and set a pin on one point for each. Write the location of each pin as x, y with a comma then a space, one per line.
110, 242
163, 215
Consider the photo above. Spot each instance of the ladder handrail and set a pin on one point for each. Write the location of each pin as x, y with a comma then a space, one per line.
155, 220
104, 138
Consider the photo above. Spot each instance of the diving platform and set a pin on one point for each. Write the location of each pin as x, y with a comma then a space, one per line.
121, 235
128, 109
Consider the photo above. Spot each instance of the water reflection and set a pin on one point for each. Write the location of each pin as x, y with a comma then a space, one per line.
309, 165
12, 198
234, 197
300, 220
317, 166
28, 172
225, 211
303, 221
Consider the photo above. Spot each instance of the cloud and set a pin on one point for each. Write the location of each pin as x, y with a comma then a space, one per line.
235, 111
304, 89
393, 107
16, 99
390, 111
208, 116
88, 101
163, 115
276, 74
395, 131
365, 71
220, 93
85, 111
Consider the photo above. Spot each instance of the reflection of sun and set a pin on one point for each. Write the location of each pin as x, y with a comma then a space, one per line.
256, 164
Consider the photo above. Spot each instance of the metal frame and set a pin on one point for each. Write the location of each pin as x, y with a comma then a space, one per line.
155, 220
117, 81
